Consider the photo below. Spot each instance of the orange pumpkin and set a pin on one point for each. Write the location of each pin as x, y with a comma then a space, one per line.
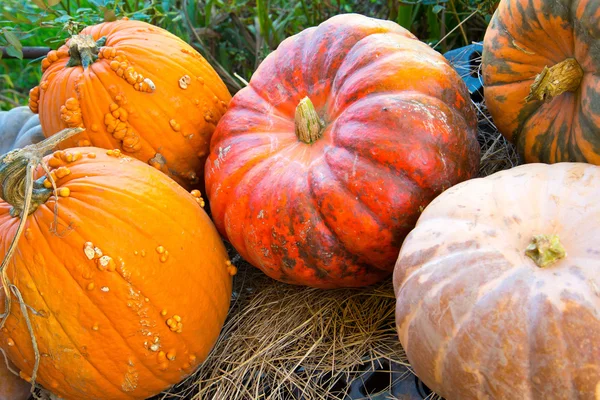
539, 65
321, 165
11, 386
498, 291
135, 87
130, 289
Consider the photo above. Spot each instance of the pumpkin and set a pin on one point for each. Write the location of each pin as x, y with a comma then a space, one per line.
320, 166
18, 128
129, 284
135, 87
11, 386
538, 72
497, 286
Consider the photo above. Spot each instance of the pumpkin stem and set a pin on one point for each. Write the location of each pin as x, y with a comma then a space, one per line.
563, 77
14, 174
309, 127
545, 250
83, 50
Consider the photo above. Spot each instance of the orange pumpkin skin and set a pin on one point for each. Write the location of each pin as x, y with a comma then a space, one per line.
132, 291
477, 317
149, 93
399, 128
523, 37
11, 386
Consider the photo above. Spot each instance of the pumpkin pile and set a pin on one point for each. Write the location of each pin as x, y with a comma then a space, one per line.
351, 154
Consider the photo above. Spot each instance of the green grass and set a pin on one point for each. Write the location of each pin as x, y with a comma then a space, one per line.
234, 35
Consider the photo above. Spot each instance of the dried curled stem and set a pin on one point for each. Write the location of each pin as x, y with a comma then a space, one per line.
563, 77
18, 190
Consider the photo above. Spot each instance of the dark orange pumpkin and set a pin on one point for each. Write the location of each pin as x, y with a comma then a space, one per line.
540, 61
128, 292
321, 165
135, 87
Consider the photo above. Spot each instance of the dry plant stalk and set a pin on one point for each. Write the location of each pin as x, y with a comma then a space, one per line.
19, 189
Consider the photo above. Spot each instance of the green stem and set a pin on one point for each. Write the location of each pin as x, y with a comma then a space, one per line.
83, 50
545, 250
309, 126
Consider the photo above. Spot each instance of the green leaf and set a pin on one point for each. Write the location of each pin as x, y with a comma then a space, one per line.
40, 4
437, 8
14, 52
13, 40
52, 3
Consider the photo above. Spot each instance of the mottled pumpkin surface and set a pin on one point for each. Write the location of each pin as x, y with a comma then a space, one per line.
149, 94
399, 128
130, 289
523, 37
477, 317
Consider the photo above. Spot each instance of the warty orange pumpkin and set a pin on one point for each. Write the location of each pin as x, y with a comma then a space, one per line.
127, 283
320, 166
135, 87
498, 291
540, 59
12, 387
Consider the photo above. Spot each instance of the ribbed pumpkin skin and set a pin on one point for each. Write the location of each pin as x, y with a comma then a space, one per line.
97, 328
11, 386
477, 317
400, 128
170, 127
18, 128
522, 38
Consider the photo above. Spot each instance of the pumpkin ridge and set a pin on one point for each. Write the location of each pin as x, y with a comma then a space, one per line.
586, 135
254, 175
406, 97
402, 177
102, 141
318, 211
102, 312
273, 110
488, 295
573, 146
73, 343
347, 254
338, 81
506, 27
143, 139
565, 352
506, 83
524, 116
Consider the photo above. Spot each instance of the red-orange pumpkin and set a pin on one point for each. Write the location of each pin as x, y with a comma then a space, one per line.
135, 87
130, 290
321, 165
498, 290
540, 63
11, 386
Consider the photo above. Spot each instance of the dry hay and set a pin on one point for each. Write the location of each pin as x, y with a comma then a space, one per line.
284, 342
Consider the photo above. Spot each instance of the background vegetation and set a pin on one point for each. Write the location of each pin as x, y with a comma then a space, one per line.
234, 35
